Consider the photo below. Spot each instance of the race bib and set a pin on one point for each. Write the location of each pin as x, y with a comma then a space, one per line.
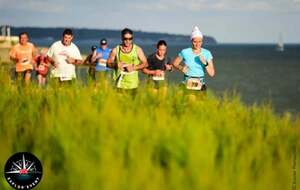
158, 78
193, 84
65, 76
102, 64
25, 63
41, 67
126, 72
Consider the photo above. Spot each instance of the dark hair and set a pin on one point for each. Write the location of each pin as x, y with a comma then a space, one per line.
161, 42
68, 31
126, 31
23, 33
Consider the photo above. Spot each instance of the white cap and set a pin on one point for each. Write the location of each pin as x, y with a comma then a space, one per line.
196, 33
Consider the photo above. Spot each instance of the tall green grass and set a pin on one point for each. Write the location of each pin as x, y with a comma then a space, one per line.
96, 138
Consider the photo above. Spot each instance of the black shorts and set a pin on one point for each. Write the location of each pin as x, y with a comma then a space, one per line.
157, 83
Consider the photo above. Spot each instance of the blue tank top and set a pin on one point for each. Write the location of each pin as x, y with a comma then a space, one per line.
100, 63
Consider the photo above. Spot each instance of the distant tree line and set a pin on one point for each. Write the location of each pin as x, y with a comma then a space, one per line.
84, 33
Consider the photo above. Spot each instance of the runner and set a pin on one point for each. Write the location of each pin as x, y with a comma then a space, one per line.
64, 55
158, 64
127, 59
23, 55
90, 64
100, 56
42, 67
196, 60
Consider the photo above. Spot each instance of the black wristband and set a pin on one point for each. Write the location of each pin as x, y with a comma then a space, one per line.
206, 64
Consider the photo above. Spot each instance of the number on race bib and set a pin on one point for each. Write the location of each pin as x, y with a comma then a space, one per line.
193, 84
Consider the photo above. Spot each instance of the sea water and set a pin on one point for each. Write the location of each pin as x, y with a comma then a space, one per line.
257, 72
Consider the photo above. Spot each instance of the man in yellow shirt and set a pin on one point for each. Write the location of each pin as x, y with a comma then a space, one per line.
127, 59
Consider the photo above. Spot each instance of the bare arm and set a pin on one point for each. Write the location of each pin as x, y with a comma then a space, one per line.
74, 61
78, 62
94, 57
111, 59
14, 59
13, 55
87, 60
143, 64
210, 68
51, 61
33, 56
149, 72
176, 64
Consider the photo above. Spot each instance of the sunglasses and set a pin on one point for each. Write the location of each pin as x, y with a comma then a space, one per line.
129, 39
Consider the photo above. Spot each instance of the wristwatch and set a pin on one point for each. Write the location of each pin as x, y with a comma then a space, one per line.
206, 64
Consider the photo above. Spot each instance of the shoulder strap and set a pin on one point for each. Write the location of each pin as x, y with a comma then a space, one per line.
118, 53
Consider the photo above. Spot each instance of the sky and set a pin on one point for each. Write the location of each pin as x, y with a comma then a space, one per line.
228, 21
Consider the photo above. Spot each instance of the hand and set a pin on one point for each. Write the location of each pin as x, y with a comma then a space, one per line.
98, 55
158, 73
70, 60
94, 53
185, 69
202, 59
16, 59
130, 68
168, 67
120, 65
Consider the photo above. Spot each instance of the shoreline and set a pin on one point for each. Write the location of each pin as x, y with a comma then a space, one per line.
240, 82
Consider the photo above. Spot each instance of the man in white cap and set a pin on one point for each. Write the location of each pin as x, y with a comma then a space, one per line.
99, 57
196, 61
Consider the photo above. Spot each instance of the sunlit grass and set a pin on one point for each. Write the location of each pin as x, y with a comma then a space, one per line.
96, 138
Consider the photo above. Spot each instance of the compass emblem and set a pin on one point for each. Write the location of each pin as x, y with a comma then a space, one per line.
23, 171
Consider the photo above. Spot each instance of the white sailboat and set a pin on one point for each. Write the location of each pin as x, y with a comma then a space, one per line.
280, 45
